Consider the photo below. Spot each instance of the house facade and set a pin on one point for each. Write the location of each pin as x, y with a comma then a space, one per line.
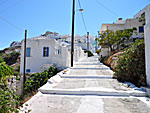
125, 24
80, 41
42, 52
121, 25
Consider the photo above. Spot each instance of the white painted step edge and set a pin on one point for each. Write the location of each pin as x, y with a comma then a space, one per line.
90, 92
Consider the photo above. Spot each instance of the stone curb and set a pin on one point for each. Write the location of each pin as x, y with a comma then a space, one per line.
54, 80
91, 92
87, 76
147, 90
57, 78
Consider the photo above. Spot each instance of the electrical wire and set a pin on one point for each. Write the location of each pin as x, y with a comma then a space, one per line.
6, 20
82, 16
107, 8
11, 24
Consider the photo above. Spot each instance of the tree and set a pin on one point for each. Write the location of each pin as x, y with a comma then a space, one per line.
111, 39
107, 38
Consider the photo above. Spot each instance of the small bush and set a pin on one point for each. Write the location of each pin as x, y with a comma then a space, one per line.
89, 53
8, 99
38, 79
5, 71
11, 58
98, 51
131, 65
1, 59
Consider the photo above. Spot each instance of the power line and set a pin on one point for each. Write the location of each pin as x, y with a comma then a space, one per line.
6, 20
11, 24
107, 8
82, 16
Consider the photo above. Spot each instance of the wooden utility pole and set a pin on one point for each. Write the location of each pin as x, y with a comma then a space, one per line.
87, 40
108, 41
24, 69
72, 38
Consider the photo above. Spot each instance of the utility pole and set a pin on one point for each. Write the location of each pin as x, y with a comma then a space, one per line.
96, 44
72, 38
88, 41
108, 41
97, 40
24, 70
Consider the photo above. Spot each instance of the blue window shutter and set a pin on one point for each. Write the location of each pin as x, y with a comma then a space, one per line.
47, 51
58, 52
43, 51
28, 52
141, 29
28, 70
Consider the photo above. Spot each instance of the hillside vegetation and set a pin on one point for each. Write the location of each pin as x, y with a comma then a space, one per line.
131, 65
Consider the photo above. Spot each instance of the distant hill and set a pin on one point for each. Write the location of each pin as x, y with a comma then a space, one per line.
11, 55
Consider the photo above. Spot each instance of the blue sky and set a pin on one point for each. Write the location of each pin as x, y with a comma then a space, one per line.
39, 16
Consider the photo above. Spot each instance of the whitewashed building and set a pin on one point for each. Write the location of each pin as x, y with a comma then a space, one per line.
146, 11
121, 25
125, 24
80, 41
42, 52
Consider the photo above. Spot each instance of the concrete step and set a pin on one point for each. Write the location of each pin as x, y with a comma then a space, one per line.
147, 90
102, 92
87, 76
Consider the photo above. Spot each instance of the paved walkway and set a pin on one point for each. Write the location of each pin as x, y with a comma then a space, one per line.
88, 87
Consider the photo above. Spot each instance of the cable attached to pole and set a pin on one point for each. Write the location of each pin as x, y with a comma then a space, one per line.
82, 17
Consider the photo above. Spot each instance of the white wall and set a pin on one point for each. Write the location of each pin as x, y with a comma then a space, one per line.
128, 24
84, 46
147, 44
105, 52
113, 27
37, 63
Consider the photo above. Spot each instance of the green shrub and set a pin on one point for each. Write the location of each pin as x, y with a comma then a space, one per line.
89, 53
98, 51
1, 59
38, 79
131, 65
8, 99
11, 58
5, 70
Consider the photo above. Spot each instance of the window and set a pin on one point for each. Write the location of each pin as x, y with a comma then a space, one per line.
57, 52
45, 51
28, 70
141, 29
28, 52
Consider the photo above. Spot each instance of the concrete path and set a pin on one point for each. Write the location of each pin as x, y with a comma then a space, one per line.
88, 87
